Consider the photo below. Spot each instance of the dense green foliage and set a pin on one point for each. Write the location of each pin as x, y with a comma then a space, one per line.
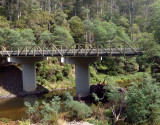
49, 112
139, 104
77, 109
116, 20
45, 113
50, 73
68, 21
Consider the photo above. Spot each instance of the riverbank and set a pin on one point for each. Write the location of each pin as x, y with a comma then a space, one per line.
11, 82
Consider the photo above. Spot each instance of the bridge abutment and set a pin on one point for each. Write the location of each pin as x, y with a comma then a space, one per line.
28, 70
82, 73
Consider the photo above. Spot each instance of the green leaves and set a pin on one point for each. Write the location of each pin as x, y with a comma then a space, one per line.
45, 37
28, 36
154, 20
48, 112
61, 19
77, 109
10, 37
108, 31
140, 101
45, 112
4, 22
77, 28
61, 36
138, 104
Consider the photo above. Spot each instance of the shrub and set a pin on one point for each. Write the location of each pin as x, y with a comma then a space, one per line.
49, 111
77, 109
116, 96
59, 76
143, 102
93, 72
33, 111
139, 104
54, 78
66, 70
45, 113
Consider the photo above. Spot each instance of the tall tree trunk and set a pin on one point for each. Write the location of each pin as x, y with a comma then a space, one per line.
61, 5
132, 11
130, 17
49, 5
111, 9
102, 7
41, 4
9, 10
18, 10
3, 3
49, 11
97, 6
146, 13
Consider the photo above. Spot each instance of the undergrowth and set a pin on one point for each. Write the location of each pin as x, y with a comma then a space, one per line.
49, 113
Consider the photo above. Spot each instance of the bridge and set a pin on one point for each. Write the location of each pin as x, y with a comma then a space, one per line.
79, 54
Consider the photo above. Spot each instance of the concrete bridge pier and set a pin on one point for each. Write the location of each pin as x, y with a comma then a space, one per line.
28, 70
82, 73
29, 77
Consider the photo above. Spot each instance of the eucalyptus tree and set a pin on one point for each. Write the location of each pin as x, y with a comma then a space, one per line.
108, 31
1, 36
154, 24
12, 37
45, 37
61, 19
61, 36
28, 36
77, 28
88, 31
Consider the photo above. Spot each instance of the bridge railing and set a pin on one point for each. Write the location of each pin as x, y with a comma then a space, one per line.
76, 49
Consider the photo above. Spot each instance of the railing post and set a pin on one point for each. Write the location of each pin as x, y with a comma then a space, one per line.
97, 50
61, 48
52, 50
110, 48
25, 50
124, 51
18, 51
34, 51
85, 49
43, 50
74, 46
2, 51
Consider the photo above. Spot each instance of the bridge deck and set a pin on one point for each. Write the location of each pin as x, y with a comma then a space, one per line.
75, 52
104, 49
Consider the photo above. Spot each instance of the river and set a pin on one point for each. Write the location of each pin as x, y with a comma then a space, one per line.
14, 108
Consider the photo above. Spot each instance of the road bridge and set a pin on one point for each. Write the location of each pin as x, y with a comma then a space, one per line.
79, 54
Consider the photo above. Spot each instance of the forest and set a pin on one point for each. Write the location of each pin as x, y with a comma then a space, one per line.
131, 83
